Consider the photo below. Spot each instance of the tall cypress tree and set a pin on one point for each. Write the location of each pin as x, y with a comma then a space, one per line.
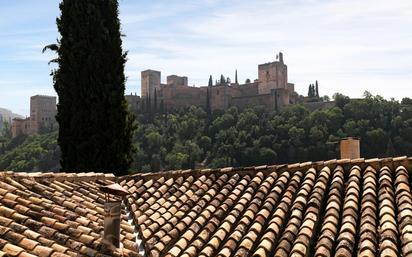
95, 128
310, 90
208, 109
155, 101
222, 80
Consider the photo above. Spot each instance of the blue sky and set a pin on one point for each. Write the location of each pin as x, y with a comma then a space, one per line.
349, 46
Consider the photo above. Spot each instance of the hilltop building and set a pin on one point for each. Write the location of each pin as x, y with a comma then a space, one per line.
42, 115
271, 90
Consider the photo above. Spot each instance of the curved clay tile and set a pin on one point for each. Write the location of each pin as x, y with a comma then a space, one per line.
387, 215
329, 230
347, 234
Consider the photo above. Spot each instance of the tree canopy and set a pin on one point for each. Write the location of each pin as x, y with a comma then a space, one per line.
189, 138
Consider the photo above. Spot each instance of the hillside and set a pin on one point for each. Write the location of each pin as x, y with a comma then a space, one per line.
191, 138
8, 115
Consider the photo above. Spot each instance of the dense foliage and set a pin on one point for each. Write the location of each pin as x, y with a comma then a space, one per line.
30, 153
250, 137
253, 137
95, 128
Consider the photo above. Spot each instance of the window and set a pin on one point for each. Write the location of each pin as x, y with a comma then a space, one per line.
217, 92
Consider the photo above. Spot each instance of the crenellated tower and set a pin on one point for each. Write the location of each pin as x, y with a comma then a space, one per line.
273, 75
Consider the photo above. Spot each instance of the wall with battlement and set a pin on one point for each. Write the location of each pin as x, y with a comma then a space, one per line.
175, 97
271, 90
177, 80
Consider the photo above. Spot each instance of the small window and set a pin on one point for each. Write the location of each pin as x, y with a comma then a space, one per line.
217, 92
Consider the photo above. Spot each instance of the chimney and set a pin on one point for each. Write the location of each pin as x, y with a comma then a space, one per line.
114, 196
350, 148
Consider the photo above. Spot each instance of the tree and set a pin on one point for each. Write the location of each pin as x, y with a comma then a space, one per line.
210, 81
316, 89
95, 128
247, 81
340, 100
311, 91
155, 101
236, 82
6, 131
325, 98
208, 107
222, 80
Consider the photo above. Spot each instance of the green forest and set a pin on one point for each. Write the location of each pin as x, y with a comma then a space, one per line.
192, 138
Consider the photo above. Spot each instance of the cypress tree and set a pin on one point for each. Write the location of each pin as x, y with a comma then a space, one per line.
210, 81
310, 90
208, 107
317, 89
155, 101
162, 108
95, 128
222, 80
236, 77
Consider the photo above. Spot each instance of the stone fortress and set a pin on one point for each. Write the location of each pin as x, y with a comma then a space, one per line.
42, 115
271, 90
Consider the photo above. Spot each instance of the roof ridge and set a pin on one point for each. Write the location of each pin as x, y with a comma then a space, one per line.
59, 176
374, 162
88, 176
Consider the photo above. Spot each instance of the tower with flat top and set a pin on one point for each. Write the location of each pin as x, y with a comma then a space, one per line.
273, 75
150, 83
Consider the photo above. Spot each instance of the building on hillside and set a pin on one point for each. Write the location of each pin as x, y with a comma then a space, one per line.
271, 90
42, 115
134, 102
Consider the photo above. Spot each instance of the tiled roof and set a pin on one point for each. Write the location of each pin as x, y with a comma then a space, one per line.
56, 214
335, 208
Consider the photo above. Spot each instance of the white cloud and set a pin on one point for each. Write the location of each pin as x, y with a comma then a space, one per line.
350, 45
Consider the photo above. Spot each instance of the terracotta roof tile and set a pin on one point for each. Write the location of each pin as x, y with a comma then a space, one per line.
46, 215
328, 208
336, 207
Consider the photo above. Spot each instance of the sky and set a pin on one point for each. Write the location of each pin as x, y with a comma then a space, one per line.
349, 46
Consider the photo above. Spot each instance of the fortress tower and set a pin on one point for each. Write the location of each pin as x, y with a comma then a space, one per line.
176, 80
273, 75
42, 111
150, 82
42, 114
